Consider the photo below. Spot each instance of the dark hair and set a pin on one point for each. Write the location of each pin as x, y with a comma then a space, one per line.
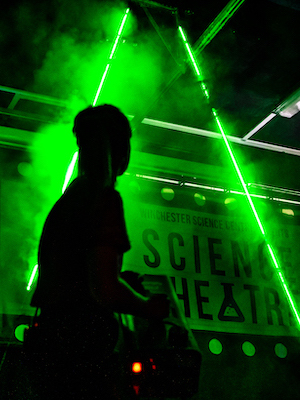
103, 134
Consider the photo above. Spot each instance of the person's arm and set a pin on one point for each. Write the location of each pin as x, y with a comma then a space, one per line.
111, 291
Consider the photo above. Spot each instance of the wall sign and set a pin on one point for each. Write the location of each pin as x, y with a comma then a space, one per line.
220, 266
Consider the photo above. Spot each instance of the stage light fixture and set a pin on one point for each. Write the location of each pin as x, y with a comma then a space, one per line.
137, 367
164, 372
167, 193
230, 203
199, 199
287, 109
288, 211
291, 106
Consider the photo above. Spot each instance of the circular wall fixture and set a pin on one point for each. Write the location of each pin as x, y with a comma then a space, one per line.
248, 348
215, 346
280, 350
230, 203
199, 199
134, 187
25, 169
167, 193
19, 332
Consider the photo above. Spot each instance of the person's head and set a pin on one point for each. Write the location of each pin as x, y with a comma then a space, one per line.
103, 136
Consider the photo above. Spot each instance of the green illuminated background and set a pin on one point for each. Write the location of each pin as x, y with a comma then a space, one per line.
132, 61
215, 215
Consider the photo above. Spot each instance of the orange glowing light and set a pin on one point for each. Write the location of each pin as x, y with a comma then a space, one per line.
137, 367
136, 389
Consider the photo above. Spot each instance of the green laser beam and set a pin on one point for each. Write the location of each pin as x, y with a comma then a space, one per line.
70, 171
32, 276
72, 164
101, 84
284, 285
238, 171
214, 28
119, 34
190, 52
217, 25
271, 252
68, 176
282, 280
194, 62
111, 56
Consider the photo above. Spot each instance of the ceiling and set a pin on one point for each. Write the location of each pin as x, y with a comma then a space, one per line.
50, 61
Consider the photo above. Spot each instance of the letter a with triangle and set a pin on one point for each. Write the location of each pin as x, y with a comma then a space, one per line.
229, 310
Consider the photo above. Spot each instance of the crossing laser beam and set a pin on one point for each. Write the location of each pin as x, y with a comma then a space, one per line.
70, 171
111, 55
71, 166
194, 63
32, 276
280, 274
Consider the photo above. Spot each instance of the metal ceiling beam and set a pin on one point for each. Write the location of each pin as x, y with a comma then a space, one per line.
215, 135
259, 126
16, 138
288, 108
147, 121
218, 23
39, 98
26, 115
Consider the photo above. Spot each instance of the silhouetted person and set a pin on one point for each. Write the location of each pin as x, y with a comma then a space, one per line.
80, 257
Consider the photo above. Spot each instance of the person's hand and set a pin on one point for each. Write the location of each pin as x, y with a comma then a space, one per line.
158, 306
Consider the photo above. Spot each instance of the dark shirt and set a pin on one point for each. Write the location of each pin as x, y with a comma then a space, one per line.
82, 219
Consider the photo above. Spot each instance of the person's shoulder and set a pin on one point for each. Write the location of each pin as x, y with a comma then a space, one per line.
75, 197
111, 196
77, 185
84, 190
111, 191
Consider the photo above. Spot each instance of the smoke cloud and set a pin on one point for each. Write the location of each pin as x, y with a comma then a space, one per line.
64, 47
